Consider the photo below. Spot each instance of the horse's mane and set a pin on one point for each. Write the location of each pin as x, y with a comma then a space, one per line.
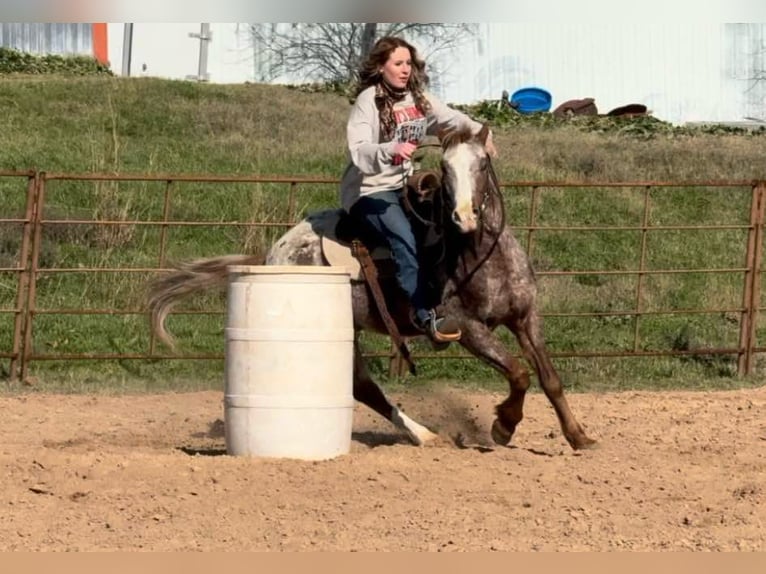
454, 137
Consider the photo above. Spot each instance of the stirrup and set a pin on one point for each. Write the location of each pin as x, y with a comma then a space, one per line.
440, 330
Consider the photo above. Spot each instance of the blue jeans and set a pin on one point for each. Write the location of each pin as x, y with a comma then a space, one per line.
383, 211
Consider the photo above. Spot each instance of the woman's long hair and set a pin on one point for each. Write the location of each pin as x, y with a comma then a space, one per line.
369, 72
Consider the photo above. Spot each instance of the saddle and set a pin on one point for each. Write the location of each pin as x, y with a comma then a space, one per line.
420, 201
346, 242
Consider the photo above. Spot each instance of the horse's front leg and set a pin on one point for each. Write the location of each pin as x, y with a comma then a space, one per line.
367, 392
528, 334
482, 343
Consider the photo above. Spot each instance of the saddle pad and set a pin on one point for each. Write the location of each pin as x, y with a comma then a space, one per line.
337, 253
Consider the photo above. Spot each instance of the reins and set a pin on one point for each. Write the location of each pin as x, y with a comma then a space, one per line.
417, 189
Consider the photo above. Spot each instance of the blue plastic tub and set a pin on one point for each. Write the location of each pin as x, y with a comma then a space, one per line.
531, 100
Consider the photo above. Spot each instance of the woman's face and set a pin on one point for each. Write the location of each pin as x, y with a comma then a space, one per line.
397, 69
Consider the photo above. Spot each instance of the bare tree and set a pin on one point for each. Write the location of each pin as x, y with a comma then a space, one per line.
746, 65
332, 52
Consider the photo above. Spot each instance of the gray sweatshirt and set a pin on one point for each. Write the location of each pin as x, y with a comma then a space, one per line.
372, 166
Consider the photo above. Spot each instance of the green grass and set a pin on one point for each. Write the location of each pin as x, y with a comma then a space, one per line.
150, 126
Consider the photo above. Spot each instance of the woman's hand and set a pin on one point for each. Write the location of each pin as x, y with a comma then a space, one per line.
404, 149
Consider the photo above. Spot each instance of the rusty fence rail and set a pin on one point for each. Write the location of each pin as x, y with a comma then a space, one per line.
36, 216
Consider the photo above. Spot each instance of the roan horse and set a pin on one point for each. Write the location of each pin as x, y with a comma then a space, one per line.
486, 281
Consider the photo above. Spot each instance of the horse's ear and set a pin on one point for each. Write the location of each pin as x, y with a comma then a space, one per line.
483, 134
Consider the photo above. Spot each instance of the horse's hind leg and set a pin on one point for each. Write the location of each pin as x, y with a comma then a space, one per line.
533, 346
481, 342
367, 392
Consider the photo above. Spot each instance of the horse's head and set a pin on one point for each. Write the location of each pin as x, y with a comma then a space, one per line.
465, 176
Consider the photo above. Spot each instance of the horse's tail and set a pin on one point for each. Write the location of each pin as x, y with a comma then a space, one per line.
167, 291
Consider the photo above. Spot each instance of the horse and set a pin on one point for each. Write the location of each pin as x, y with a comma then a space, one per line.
486, 281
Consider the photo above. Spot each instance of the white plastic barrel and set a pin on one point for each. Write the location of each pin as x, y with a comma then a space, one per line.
289, 362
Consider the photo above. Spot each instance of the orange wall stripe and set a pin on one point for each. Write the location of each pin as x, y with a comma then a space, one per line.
100, 45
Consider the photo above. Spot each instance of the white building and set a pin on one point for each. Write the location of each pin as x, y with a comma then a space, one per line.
681, 72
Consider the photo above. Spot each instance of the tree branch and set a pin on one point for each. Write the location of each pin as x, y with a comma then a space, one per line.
332, 52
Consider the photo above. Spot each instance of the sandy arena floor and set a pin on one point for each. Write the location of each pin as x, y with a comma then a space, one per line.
674, 471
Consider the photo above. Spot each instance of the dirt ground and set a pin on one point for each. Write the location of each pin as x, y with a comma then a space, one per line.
674, 471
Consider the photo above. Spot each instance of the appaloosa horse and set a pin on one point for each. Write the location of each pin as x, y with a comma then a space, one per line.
485, 281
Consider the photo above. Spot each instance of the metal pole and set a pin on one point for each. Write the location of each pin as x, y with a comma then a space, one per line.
204, 41
755, 292
127, 49
751, 292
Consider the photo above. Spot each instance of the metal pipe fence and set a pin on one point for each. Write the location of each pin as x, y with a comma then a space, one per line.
38, 225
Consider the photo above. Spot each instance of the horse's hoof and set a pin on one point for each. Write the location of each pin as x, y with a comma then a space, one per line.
500, 434
423, 437
417, 433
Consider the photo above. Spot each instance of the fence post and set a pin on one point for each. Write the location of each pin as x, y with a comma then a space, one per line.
752, 284
642, 267
22, 292
33, 265
533, 200
291, 201
396, 366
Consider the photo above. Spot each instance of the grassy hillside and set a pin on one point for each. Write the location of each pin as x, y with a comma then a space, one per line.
151, 125
148, 125
142, 125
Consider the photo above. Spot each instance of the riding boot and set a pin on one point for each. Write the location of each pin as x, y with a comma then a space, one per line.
440, 330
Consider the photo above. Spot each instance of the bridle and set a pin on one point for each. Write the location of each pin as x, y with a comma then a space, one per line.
490, 196
491, 190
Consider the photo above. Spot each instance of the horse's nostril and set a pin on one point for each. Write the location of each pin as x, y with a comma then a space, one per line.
455, 217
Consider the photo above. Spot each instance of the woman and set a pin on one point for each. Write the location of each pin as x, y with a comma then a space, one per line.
391, 114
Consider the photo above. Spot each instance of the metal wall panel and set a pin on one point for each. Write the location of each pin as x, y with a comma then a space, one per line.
48, 38
745, 66
695, 71
680, 71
